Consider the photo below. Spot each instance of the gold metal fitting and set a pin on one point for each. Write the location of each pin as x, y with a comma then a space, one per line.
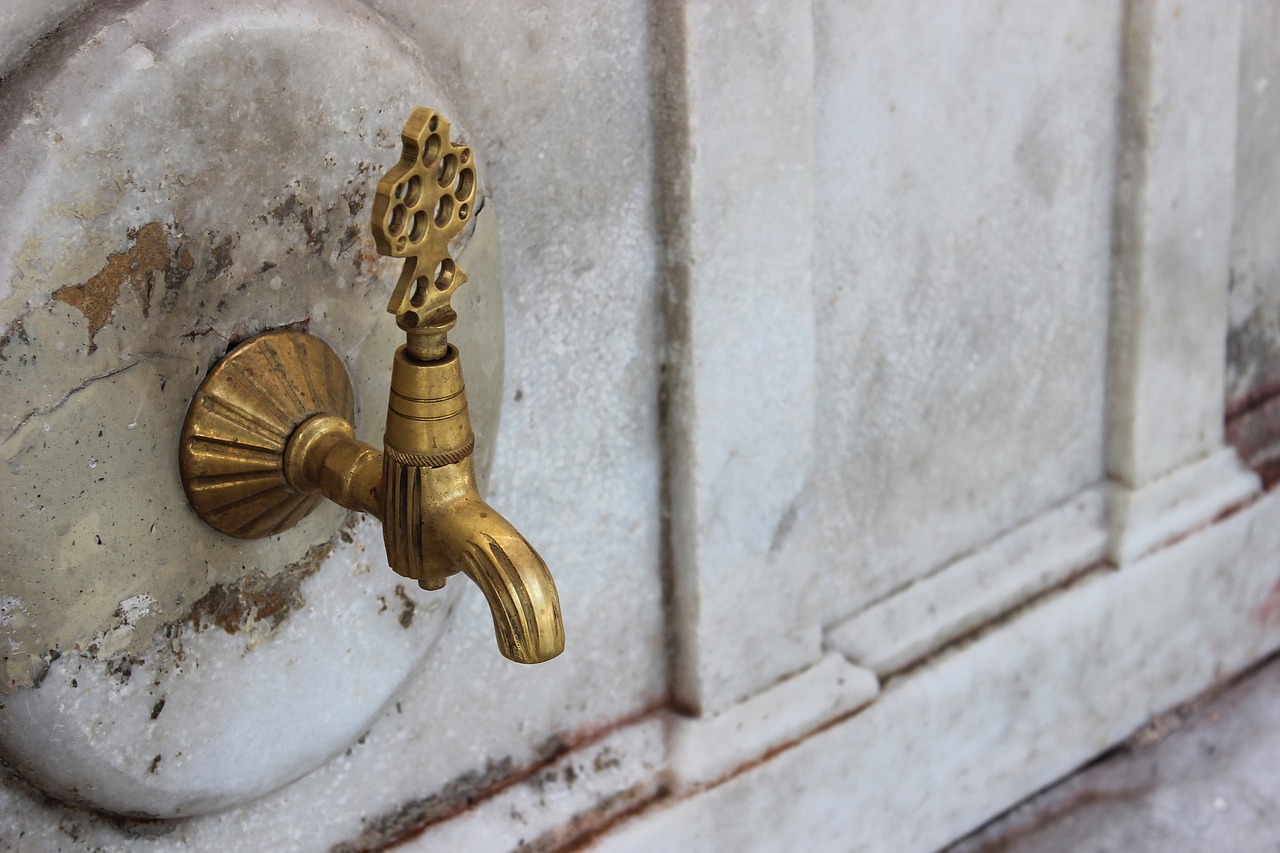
269, 433
420, 206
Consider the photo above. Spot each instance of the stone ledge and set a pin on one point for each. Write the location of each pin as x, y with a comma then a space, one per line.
556, 805
1174, 505
705, 750
972, 590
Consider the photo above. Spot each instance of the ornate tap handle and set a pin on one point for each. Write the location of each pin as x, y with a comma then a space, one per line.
269, 430
421, 204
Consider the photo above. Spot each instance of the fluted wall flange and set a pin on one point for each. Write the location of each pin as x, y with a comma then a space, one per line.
231, 454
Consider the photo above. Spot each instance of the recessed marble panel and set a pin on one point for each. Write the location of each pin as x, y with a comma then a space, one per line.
966, 157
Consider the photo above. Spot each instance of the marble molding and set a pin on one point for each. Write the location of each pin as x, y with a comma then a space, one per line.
740, 345
1174, 203
964, 595
994, 720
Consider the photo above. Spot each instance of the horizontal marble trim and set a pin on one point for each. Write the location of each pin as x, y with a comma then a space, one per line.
706, 749
587, 789
561, 803
967, 593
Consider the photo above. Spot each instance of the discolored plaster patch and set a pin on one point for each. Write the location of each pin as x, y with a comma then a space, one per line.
138, 266
258, 603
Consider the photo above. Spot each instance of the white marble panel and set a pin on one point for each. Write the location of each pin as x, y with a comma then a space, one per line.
558, 100
963, 737
965, 160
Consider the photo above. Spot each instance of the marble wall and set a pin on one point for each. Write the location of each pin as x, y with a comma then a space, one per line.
557, 105
862, 384
962, 260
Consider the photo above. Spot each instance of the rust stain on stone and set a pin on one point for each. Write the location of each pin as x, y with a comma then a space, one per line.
1268, 614
257, 599
415, 815
97, 297
1254, 431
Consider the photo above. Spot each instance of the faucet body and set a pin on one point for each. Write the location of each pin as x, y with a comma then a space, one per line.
422, 486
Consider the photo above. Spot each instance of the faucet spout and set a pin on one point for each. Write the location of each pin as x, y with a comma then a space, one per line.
513, 577
434, 521
450, 528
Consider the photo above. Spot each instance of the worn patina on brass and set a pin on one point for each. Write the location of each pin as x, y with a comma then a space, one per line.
269, 430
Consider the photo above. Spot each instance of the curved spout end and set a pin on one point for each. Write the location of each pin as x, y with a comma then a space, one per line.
517, 584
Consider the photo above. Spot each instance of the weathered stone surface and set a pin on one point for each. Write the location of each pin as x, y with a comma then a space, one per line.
577, 466
1253, 334
149, 225
961, 260
956, 741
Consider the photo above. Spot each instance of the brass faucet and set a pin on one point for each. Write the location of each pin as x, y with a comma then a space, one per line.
269, 430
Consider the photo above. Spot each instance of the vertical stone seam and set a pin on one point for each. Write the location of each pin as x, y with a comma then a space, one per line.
670, 108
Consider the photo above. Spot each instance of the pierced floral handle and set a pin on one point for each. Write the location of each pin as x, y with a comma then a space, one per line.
420, 205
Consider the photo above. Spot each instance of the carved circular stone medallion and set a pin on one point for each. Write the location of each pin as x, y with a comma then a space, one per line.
181, 176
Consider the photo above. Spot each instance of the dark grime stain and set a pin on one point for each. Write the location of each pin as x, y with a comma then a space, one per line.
17, 332
256, 598
415, 815
406, 615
